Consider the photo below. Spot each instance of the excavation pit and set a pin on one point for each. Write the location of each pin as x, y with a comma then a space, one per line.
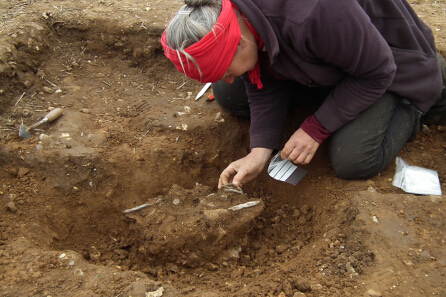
132, 134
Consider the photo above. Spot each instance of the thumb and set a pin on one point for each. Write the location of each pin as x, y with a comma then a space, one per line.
283, 155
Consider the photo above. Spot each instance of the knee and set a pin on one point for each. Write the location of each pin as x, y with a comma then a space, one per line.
351, 166
353, 172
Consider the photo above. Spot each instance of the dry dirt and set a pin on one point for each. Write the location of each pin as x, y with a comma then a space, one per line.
132, 134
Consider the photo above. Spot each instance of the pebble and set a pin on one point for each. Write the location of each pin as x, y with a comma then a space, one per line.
48, 90
11, 207
371, 189
373, 293
301, 284
22, 172
157, 293
219, 118
211, 267
281, 248
299, 294
28, 84
138, 289
296, 213
94, 254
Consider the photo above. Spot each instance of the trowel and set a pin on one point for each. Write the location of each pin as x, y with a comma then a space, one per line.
49, 117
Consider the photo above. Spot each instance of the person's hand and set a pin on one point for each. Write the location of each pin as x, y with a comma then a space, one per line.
300, 148
245, 169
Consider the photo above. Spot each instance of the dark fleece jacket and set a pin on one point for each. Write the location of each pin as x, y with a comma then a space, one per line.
361, 48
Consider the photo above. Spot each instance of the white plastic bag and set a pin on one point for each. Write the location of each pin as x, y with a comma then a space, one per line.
416, 180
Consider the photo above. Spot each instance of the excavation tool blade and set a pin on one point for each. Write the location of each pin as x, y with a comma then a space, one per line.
203, 90
51, 116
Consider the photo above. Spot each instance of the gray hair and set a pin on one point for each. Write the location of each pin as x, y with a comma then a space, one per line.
191, 23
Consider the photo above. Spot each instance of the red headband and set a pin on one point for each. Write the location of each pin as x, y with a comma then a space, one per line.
213, 53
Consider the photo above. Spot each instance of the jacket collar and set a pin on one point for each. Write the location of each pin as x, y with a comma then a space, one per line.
261, 25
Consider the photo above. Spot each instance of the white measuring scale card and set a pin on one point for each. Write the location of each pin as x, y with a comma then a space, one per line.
285, 171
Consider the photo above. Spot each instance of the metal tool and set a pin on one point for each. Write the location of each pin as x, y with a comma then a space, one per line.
49, 117
203, 90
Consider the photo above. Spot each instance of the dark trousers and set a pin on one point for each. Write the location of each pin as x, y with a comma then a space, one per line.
360, 149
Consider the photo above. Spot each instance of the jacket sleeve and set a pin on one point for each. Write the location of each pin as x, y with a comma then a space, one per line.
340, 33
268, 108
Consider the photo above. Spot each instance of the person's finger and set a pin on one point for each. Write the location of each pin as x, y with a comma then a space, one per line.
308, 159
226, 176
283, 154
223, 180
301, 158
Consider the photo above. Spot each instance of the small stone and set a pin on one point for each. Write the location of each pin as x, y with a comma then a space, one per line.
373, 293
408, 263
350, 269
11, 207
301, 284
296, 213
48, 90
157, 293
28, 84
299, 294
95, 255
302, 220
211, 267
371, 189
287, 288
219, 118
10, 122
281, 248
22, 172
43, 136
86, 110
138, 289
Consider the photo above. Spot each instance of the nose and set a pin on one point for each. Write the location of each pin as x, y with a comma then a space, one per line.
229, 79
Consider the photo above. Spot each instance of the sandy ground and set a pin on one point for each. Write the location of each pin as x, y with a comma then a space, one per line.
132, 134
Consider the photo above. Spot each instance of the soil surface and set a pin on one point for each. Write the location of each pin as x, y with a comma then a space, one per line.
118, 197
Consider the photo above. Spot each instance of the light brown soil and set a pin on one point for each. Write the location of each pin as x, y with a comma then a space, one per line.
133, 134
